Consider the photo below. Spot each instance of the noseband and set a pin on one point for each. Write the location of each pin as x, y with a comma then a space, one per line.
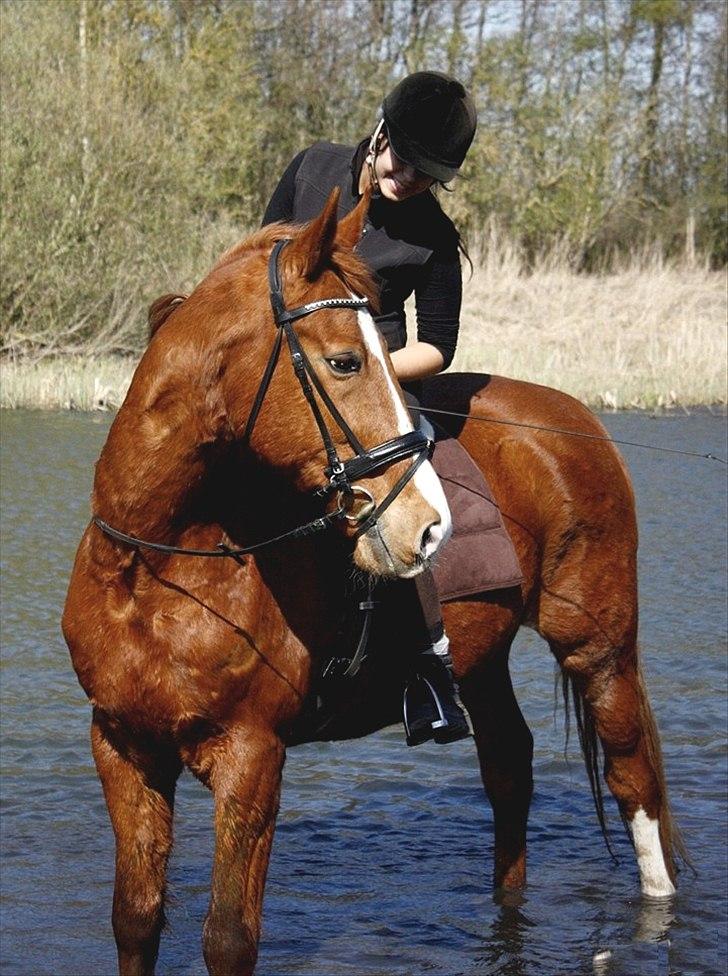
355, 504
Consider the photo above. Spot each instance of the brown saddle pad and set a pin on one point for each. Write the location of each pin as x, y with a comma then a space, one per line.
479, 555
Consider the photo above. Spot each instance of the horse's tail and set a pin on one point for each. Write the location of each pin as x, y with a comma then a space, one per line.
672, 843
590, 747
161, 309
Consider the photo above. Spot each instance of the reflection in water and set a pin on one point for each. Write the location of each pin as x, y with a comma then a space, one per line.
508, 941
639, 959
648, 953
654, 919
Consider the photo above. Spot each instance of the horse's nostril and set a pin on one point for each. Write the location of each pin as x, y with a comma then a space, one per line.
431, 539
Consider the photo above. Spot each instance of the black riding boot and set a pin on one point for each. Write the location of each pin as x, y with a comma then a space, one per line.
431, 707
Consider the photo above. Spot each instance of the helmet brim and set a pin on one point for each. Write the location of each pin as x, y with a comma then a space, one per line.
409, 152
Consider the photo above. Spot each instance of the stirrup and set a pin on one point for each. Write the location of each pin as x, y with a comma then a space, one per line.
435, 717
419, 711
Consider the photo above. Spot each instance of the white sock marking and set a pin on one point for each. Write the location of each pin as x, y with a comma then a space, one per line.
650, 859
425, 478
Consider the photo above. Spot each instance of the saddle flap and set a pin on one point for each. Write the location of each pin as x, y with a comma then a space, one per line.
480, 555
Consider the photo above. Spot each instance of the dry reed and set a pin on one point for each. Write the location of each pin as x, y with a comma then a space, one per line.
71, 383
647, 336
650, 335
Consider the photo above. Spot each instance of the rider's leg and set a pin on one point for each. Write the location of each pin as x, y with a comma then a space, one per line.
432, 709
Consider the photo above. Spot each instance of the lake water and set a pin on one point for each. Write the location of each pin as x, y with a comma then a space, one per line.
382, 858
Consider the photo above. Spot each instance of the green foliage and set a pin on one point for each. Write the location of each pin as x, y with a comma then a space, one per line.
661, 11
140, 137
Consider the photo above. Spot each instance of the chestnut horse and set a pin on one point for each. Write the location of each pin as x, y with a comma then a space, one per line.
207, 662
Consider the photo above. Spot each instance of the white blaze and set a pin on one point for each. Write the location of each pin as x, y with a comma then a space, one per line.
651, 862
425, 478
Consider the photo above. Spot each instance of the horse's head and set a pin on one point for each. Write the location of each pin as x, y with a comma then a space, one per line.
346, 371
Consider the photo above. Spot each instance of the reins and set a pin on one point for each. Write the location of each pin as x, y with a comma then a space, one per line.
354, 503
310, 528
572, 433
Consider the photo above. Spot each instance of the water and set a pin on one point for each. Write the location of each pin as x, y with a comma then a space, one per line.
382, 857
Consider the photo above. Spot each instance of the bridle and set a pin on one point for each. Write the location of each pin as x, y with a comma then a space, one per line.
354, 503
340, 474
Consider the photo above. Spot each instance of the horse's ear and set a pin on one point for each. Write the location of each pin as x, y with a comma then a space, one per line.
160, 310
348, 233
310, 251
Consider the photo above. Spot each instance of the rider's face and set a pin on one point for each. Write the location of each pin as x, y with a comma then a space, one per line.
398, 180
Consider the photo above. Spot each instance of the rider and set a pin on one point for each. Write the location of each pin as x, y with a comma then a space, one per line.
426, 127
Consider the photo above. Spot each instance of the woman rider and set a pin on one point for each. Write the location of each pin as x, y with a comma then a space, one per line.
427, 125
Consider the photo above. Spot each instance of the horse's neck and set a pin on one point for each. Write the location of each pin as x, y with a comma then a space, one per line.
153, 460
170, 465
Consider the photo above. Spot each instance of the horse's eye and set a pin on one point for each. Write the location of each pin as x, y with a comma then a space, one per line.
345, 364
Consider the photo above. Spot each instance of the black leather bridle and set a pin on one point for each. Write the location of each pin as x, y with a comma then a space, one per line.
355, 504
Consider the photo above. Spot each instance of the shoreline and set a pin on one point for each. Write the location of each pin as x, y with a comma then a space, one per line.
99, 384
646, 338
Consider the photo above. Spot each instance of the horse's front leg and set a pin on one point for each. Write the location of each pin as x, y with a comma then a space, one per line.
245, 778
138, 778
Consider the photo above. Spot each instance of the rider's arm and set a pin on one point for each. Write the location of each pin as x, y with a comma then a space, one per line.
416, 361
438, 297
280, 205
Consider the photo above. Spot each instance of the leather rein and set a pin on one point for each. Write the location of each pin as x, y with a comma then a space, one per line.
355, 504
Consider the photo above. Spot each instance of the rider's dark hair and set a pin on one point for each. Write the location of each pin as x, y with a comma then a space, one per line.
436, 187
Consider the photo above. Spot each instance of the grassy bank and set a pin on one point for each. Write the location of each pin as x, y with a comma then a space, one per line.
72, 383
649, 336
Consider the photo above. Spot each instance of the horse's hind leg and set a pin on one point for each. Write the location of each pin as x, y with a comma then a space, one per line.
243, 769
138, 783
598, 655
505, 751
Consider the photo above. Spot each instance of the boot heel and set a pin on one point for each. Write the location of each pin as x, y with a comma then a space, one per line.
452, 724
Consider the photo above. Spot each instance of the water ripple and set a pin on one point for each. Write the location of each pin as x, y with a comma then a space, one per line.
383, 855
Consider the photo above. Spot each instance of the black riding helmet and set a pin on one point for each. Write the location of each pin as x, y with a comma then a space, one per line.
430, 121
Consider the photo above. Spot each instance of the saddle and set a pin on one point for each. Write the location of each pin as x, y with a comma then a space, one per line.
360, 690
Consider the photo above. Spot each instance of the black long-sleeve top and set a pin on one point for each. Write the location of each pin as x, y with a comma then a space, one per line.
411, 246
